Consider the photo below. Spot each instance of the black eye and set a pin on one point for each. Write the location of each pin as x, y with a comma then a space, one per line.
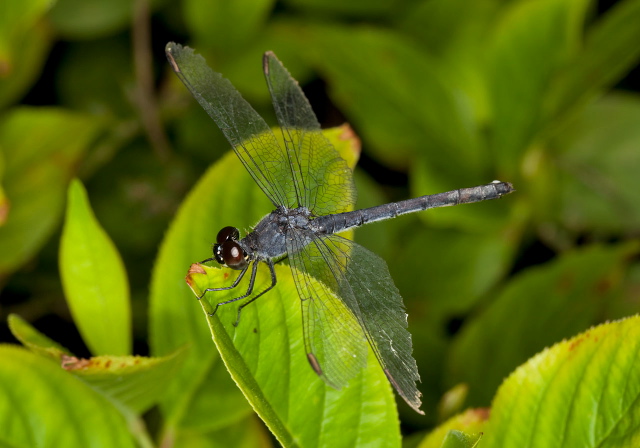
227, 234
233, 255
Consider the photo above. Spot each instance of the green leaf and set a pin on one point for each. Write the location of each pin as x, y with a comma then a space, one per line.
581, 392
26, 64
17, 20
461, 268
417, 111
90, 19
34, 340
4, 202
531, 42
540, 306
133, 381
226, 26
463, 430
459, 439
246, 433
94, 279
176, 319
41, 149
599, 187
42, 405
136, 382
295, 404
610, 50
361, 8
82, 83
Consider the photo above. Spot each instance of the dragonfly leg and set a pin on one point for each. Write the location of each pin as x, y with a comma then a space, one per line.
235, 283
273, 283
254, 269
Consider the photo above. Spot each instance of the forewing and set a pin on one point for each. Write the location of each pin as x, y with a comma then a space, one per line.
333, 338
323, 180
249, 135
362, 281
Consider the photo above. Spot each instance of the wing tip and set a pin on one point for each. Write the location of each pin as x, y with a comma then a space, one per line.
169, 50
414, 403
266, 59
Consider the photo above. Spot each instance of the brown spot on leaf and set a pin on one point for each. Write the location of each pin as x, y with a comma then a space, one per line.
74, 363
575, 343
196, 268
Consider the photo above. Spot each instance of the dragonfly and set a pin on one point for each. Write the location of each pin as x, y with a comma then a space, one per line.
349, 300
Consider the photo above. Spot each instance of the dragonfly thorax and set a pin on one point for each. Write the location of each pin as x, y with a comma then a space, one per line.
268, 240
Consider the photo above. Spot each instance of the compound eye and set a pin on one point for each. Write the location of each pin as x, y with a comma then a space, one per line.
217, 253
233, 255
227, 234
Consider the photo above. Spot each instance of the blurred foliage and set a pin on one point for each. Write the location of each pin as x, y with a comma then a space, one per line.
442, 93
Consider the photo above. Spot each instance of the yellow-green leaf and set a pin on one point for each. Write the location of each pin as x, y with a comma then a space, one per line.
94, 279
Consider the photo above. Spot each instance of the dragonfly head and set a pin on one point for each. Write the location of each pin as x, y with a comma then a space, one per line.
228, 251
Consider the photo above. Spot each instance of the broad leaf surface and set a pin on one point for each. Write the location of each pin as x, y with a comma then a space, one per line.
136, 382
599, 188
416, 110
529, 45
266, 357
609, 51
94, 279
43, 406
41, 149
540, 306
581, 392
225, 26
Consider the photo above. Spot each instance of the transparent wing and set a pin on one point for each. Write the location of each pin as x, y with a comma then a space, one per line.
362, 281
333, 338
249, 135
322, 178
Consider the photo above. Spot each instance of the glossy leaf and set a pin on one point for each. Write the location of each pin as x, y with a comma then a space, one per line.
42, 405
94, 279
294, 403
41, 149
539, 307
580, 392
